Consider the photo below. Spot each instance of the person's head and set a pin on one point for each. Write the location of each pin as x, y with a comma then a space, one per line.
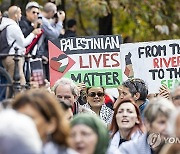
156, 115
65, 89
18, 134
32, 11
126, 118
175, 95
46, 112
50, 9
88, 134
71, 24
14, 13
137, 88
67, 108
95, 96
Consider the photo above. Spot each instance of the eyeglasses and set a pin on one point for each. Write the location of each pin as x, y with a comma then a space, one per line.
93, 94
34, 12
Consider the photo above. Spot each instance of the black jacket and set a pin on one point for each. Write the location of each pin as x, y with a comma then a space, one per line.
25, 26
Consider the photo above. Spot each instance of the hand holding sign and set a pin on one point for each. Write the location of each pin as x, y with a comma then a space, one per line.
164, 92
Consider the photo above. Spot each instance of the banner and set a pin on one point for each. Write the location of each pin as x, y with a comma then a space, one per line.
155, 62
92, 60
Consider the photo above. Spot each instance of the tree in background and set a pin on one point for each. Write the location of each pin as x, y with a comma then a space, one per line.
143, 20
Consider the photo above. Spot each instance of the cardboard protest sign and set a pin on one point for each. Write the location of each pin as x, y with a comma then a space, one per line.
92, 60
155, 62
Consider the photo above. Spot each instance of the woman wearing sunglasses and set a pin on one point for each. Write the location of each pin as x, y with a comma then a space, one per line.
126, 123
95, 101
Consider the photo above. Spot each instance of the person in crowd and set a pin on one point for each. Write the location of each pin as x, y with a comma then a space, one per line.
51, 31
88, 134
175, 96
174, 131
67, 108
18, 134
65, 89
126, 123
156, 116
15, 40
137, 89
108, 98
30, 22
95, 102
49, 118
71, 28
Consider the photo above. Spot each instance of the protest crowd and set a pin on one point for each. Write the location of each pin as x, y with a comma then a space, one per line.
66, 116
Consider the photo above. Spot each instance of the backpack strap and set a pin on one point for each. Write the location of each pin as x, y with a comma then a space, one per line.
6, 36
12, 44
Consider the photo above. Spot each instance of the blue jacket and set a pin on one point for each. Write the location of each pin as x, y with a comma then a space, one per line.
142, 107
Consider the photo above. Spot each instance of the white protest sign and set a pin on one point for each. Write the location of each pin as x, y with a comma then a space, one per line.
156, 63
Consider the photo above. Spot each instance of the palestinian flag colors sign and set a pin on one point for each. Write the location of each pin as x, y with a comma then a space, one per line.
92, 60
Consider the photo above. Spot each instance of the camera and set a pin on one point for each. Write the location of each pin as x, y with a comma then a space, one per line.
38, 25
55, 15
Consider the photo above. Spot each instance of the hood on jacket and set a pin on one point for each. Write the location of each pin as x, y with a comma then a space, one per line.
6, 21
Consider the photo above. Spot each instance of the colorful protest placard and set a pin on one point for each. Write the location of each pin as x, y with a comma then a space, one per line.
92, 60
155, 62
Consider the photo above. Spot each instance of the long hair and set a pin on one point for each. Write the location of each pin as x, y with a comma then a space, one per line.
49, 108
114, 126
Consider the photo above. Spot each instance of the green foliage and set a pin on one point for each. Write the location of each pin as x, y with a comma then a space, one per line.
143, 20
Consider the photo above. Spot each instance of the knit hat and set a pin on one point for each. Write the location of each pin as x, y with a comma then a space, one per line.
97, 126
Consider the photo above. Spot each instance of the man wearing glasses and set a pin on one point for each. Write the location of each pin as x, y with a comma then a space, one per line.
30, 22
16, 39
